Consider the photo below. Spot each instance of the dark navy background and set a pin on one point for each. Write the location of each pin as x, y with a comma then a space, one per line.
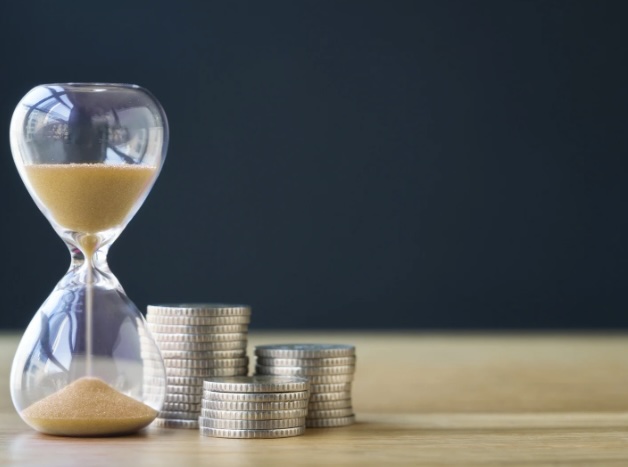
350, 164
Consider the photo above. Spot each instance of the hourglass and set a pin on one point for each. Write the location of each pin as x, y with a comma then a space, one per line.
88, 155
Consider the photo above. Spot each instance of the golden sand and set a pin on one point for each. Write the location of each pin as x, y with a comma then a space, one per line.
89, 198
88, 407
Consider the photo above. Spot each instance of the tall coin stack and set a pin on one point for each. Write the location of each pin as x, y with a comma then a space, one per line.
197, 341
330, 370
254, 407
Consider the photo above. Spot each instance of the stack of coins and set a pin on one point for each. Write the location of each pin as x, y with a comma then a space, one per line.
254, 407
330, 370
197, 341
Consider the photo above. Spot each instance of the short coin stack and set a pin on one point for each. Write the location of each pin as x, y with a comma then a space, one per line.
254, 407
197, 341
330, 370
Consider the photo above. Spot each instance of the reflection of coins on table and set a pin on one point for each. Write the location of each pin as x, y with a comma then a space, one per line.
329, 369
197, 341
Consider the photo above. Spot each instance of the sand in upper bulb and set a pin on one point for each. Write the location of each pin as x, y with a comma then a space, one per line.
89, 198
88, 407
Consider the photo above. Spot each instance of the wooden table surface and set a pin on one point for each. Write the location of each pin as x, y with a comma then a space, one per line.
420, 399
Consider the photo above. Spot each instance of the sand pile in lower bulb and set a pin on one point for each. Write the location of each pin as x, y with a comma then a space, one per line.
88, 407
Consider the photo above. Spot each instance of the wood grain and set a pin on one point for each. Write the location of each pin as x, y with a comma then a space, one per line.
421, 399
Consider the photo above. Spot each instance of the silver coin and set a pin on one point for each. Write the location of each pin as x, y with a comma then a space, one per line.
168, 414
327, 405
184, 398
232, 405
329, 396
307, 362
331, 379
183, 329
181, 407
207, 354
256, 396
253, 414
226, 337
257, 384
195, 382
190, 381
174, 423
207, 372
250, 424
175, 389
318, 379
252, 434
202, 346
330, 387
305, 350
207, 363
329, 422
330, 413
305, 370
199, 309
198, 320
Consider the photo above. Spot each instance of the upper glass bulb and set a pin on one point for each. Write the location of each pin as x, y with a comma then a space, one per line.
89, 154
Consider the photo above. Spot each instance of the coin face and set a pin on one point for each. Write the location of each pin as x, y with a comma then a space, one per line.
252, 434
256, 396
329, 422
250, 424
305, 350
260, 383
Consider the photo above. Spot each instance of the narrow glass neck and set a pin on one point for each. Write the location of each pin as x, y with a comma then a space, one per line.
95, 273
98, 258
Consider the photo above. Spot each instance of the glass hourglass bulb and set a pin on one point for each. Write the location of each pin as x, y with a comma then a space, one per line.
88, 154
